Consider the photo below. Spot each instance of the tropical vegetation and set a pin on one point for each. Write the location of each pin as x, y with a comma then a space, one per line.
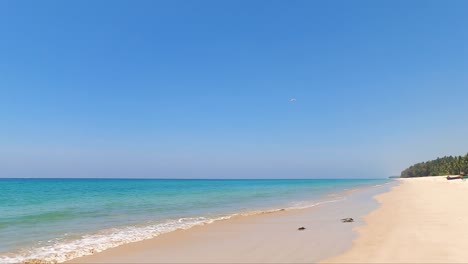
448, 165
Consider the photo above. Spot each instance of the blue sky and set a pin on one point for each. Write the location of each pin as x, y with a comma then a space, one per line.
201, 89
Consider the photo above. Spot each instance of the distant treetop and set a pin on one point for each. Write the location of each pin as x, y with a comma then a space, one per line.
451, 165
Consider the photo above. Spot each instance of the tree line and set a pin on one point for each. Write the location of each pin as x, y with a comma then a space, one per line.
448, 165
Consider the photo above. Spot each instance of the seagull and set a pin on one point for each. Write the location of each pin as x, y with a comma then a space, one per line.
292, 100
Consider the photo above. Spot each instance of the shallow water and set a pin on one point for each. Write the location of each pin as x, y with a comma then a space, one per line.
59, 219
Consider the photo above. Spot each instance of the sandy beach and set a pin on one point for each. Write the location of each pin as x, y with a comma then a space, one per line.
422, 220
264, 238
419, 220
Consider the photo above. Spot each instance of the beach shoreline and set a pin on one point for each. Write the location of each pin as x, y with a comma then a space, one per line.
80, 217
419, 221
260, 238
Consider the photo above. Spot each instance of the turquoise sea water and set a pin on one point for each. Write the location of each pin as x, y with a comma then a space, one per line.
60, 219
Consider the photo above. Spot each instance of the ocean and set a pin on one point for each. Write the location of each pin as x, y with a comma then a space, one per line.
61, 219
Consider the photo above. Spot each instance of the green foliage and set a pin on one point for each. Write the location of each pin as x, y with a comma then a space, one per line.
441, 166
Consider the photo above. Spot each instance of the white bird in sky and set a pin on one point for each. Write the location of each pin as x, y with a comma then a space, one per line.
292, 100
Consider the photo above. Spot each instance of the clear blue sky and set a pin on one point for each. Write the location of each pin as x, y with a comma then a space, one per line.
201, 89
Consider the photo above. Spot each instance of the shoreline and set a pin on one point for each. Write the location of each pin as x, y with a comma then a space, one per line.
419, 221
263, 237
89, 228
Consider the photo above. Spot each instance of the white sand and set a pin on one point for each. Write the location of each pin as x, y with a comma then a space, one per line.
422, 220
